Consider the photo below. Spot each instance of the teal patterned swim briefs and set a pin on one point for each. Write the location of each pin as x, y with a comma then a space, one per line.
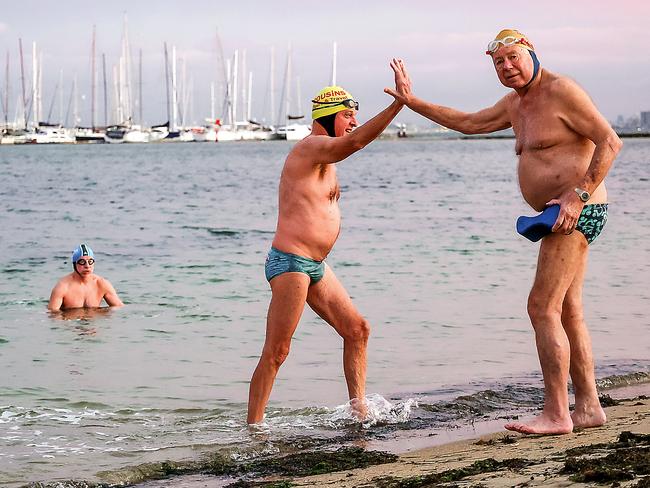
592, 220
279, 262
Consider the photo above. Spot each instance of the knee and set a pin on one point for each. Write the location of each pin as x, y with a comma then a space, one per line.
541, 311
275, 355
572, 312
359, 332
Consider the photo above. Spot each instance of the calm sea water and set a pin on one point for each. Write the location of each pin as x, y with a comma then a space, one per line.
428, 252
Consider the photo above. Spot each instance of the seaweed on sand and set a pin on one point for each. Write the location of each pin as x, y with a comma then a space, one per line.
630, 458
482, 466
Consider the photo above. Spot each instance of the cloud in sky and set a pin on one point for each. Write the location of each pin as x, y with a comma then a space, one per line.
598, 43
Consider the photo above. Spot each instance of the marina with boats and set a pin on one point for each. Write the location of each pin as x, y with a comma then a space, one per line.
119, 101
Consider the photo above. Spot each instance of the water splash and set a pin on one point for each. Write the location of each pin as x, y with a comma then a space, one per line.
380, 412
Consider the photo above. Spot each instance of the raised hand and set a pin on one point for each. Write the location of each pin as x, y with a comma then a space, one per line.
402, 92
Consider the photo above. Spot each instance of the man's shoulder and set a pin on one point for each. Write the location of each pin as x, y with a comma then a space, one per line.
307, 153
101, 281
561, 85
311, 143
66, 280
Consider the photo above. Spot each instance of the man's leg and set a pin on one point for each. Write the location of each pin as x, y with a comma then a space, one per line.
289, 293
588, 412
332, 303
560, 257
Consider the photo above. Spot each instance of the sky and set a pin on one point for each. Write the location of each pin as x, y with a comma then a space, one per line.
602, 45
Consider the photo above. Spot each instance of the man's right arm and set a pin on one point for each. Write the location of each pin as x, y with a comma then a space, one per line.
482, 122
334, 149
56, 298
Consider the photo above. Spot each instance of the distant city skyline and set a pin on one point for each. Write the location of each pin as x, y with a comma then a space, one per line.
600, 45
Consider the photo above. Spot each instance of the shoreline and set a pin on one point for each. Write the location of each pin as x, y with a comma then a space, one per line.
482, 453
502, 459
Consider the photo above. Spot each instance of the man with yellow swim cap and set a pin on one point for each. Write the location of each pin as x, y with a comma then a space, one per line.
565, 148
308, 225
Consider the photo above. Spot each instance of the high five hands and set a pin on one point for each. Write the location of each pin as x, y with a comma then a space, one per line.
402, 92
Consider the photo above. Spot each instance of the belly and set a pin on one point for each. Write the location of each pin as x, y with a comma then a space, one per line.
544, 175
309, 233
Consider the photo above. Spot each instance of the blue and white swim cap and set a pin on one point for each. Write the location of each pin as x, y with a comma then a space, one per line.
82, 250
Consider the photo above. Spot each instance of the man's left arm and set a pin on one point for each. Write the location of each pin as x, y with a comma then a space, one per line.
581, 115
110, 295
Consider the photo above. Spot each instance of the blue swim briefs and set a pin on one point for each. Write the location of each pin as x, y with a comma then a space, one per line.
278, 262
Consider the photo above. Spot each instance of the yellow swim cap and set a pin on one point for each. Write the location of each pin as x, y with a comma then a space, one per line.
509, 37
330, 100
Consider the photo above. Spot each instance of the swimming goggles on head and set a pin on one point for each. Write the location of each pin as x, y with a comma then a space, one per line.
82, 262
493, 46
348, 103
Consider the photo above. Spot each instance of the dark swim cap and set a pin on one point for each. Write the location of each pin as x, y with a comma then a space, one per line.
327, 121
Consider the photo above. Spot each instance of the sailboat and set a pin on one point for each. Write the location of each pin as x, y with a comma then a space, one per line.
291, 131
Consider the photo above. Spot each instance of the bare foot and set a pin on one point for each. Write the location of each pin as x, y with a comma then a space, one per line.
588, 417
359, 408
542, 425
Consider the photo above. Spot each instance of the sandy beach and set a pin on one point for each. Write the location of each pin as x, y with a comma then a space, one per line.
505, 459
616, 454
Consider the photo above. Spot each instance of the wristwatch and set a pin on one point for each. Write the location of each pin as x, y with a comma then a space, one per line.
584, 195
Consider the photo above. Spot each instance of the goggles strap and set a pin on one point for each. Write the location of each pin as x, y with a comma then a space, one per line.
535, 67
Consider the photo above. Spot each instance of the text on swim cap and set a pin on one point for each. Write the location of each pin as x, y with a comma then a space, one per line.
331, 93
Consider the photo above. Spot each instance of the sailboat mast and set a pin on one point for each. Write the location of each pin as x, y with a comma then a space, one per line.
34, 85
40, 86
128, 99
183, 92
167, 83
48, 119
235, 70
250, 95
212, 102
93, 81
22, 80
67, 112
141, 119
105, 91
75, 104
284, 95
222, 75
288, 83
244, 97
117, 101
174, 93
228, 100
61, 97
272, 83
6, 97
299, 95
120, 91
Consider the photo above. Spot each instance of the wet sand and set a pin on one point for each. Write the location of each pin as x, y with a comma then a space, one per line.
509, 459
617, 454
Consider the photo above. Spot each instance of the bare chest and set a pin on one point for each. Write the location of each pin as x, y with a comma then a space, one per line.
328, 182
83, 296
538, 126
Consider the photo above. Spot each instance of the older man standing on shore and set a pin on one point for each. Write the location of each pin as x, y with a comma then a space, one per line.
309, 222
565, 149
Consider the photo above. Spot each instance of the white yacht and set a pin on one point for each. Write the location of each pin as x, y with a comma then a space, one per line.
293, 132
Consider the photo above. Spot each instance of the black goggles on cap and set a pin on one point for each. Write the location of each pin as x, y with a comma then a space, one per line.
348, 103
